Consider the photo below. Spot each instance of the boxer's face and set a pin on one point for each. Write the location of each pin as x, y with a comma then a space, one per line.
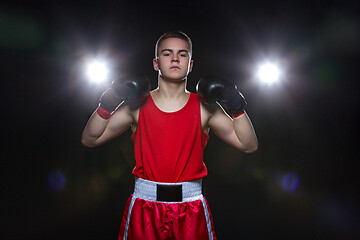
174, 59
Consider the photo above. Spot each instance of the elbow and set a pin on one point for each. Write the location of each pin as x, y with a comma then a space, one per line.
87, 144
251, 149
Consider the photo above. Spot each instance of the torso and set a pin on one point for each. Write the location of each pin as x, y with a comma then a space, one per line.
159, 155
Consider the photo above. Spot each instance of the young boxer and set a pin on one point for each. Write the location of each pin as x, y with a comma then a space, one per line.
170, 130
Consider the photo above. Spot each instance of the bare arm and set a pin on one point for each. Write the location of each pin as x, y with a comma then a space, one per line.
237, 132
98, 130
130, 91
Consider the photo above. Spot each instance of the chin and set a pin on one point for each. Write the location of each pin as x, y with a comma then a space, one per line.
175, 78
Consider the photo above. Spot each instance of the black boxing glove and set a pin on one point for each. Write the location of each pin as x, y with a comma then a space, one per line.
213, 89
131, 88
108, 103
128, 88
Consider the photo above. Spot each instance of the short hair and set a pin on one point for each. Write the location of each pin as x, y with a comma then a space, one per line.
173, 34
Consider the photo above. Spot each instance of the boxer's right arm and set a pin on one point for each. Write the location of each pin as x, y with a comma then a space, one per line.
99, 130
106, 123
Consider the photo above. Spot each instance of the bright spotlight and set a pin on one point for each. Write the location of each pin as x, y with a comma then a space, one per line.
268, 73
97, 71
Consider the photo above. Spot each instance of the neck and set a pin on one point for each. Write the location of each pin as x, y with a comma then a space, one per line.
171, 89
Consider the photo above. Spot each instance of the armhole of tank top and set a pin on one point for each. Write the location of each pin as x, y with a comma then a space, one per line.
137, 125
198, 100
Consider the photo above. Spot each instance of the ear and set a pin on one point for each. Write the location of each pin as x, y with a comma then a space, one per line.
191, 65
156, 64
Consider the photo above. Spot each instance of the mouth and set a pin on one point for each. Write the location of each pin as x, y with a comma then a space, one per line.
174, 67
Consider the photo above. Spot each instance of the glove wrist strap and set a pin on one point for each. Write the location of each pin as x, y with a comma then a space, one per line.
103, 113
238, 115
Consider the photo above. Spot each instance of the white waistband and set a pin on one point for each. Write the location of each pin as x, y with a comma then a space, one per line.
145, 189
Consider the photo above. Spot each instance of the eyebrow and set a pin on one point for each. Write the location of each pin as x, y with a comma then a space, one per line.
170, 50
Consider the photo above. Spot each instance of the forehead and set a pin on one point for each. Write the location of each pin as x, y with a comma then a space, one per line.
174, 43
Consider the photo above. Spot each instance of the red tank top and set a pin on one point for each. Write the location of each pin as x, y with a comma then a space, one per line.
169, 146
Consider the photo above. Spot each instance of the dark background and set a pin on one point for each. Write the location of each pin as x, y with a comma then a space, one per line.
302, 183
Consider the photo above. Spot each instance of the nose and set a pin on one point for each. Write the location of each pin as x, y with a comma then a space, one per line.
175, 58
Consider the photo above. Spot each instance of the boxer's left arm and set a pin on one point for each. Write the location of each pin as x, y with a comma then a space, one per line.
236, 131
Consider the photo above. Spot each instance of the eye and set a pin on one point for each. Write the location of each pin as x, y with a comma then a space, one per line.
183, 55
166, 54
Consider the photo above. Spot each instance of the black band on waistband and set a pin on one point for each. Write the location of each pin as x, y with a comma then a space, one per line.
169, 193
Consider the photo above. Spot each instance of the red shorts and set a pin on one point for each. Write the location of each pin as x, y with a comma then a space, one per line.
147, 218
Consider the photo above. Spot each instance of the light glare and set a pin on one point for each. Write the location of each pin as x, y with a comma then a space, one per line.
97, 71
290, 182
268, 73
